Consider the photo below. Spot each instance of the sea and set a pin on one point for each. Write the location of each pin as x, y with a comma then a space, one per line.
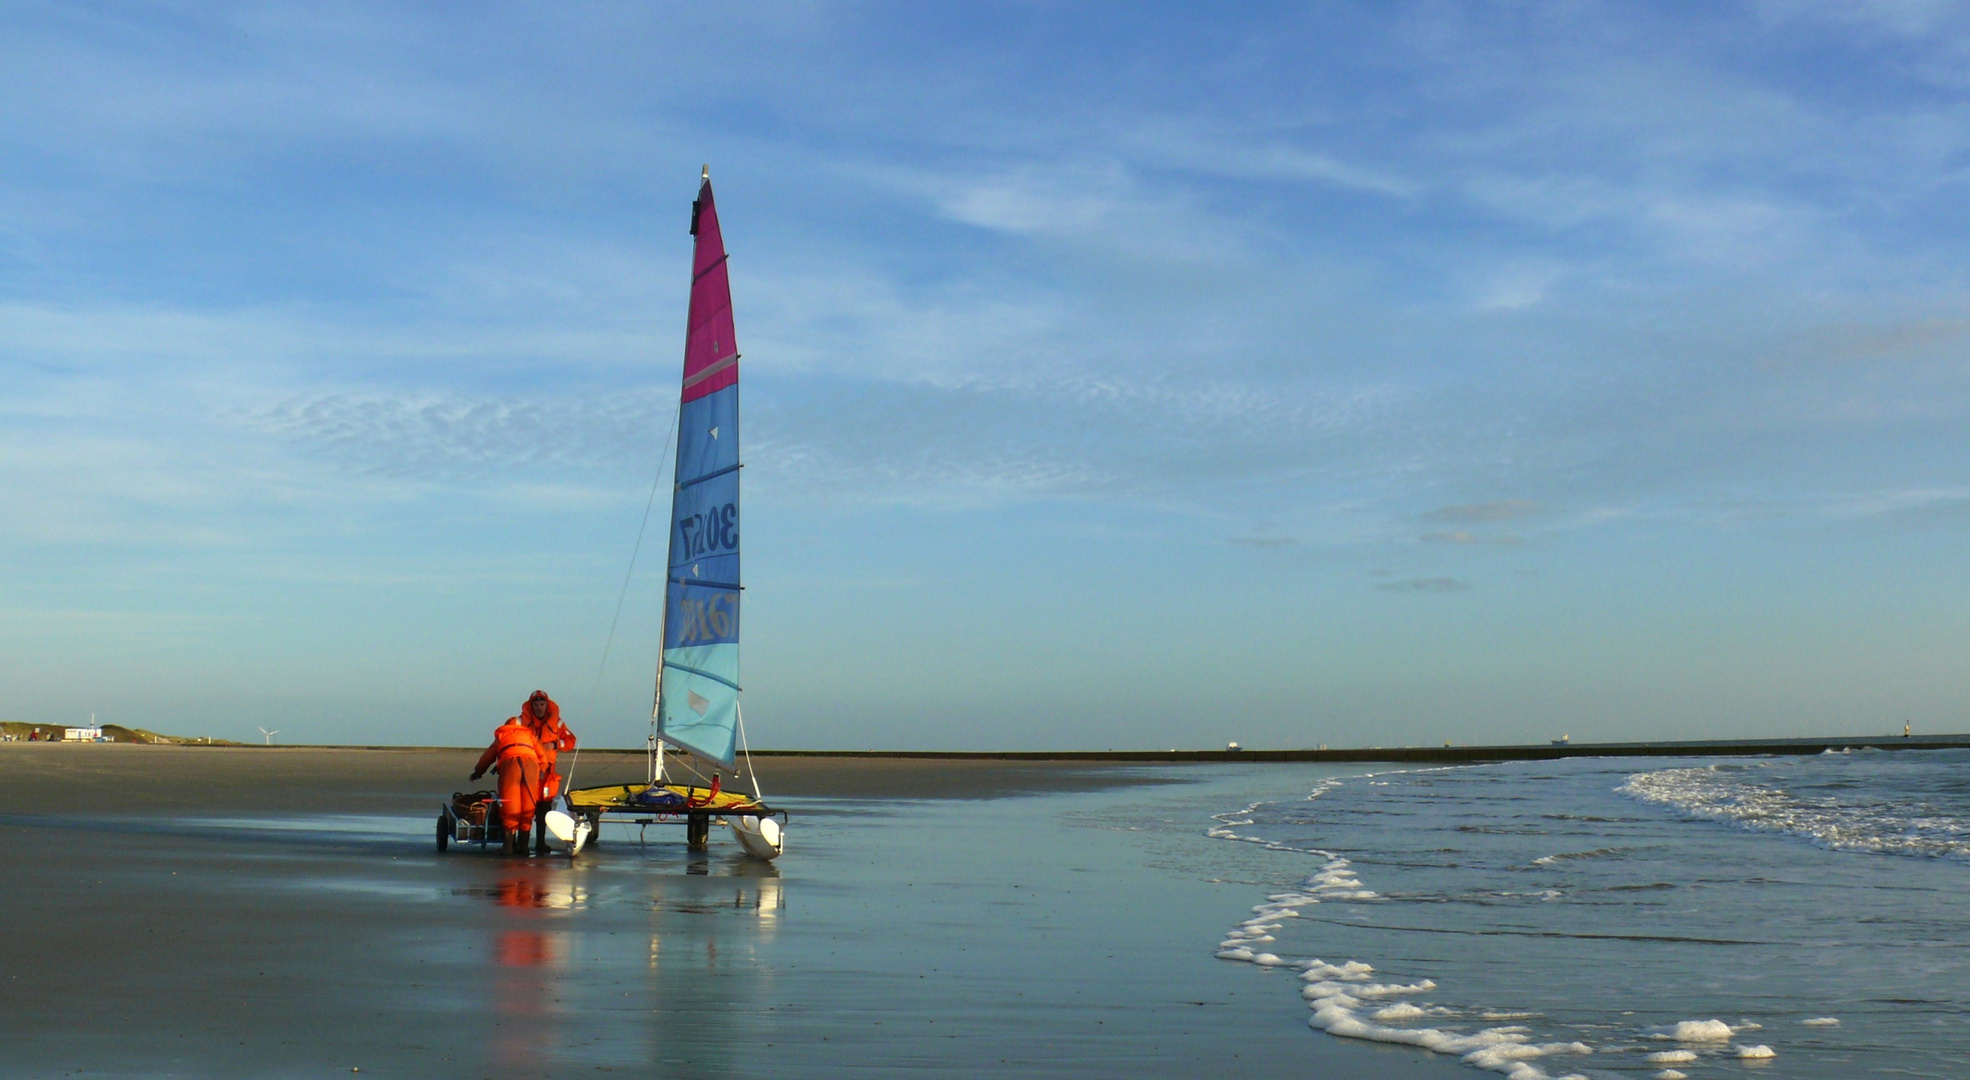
1620, 917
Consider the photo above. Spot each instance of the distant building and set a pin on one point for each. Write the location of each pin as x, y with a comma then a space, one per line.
82, 734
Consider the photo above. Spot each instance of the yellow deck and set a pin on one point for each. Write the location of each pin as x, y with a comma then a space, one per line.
620, 796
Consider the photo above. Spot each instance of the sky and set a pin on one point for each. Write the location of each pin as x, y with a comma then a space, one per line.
1125, 375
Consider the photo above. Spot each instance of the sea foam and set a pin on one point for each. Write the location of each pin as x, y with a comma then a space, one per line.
1695, 1031
1344, 999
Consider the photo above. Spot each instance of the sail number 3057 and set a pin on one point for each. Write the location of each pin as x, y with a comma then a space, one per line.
714, 532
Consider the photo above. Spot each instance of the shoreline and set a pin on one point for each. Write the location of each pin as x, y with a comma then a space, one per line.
1323, 754
1446, 753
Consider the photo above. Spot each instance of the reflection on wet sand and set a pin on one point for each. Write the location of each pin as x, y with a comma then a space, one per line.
527, 948
533, 885
761, 896
555, 945
528, 964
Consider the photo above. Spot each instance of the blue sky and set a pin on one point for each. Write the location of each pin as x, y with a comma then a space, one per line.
1115, 375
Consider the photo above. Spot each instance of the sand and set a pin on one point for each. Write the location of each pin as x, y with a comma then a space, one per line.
136, 779
251, 912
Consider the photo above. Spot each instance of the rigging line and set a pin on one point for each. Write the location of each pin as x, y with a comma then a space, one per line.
670, 438
750, 771
608, 767
691, 763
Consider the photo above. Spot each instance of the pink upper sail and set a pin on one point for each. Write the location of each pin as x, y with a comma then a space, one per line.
711, 348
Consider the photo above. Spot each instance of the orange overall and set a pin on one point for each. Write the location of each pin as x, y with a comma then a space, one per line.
553, 737
517, 754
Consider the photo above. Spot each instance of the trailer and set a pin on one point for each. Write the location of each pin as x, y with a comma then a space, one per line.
471, 817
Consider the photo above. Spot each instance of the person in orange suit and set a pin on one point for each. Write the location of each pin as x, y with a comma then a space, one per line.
515, 753
544, 717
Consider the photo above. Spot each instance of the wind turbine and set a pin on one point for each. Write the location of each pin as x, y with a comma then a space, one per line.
270, 735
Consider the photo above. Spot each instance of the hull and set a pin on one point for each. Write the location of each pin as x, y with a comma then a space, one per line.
762, 837
567, 833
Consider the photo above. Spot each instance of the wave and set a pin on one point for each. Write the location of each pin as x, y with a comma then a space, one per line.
1569, 856
1856, 819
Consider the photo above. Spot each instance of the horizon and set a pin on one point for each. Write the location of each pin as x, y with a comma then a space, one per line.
1114, 377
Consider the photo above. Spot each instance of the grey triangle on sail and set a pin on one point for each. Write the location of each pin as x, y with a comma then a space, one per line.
714, 433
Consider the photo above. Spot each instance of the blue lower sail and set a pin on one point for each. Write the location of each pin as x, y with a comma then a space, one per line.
699, 710
701, 700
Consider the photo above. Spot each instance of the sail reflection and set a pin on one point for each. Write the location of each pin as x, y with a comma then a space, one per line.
529, 948
533, 886
761, 897
528, 962
613, 950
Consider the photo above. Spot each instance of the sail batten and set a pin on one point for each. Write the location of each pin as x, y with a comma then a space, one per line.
697, 707
716, 367
705, 674
708, 476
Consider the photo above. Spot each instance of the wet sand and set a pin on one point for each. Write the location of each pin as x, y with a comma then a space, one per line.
247, 912
134, 778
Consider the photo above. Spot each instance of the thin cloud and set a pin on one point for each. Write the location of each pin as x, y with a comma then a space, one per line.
1945, 513
1425, 585
1501, 510
1262, 541
1919, 340
1102, 203
1459, 536
1211, 151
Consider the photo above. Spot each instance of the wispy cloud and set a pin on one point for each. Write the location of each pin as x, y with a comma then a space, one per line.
1099, 202
1211, 149
432, 436
1461, 537
1498, 510
1425, 585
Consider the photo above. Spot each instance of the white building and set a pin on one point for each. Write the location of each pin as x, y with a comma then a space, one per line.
82, 734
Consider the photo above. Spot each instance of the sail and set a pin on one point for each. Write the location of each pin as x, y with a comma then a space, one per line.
698, 687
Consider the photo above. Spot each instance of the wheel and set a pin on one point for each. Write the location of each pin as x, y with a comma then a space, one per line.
444, 832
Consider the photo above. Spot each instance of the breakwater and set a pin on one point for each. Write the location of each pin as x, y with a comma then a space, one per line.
1455, 753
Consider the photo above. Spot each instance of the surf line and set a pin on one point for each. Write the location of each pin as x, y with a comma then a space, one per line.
1732, 797
1344, 998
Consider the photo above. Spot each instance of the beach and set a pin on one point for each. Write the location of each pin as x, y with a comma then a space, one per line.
175, 911
283, 912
